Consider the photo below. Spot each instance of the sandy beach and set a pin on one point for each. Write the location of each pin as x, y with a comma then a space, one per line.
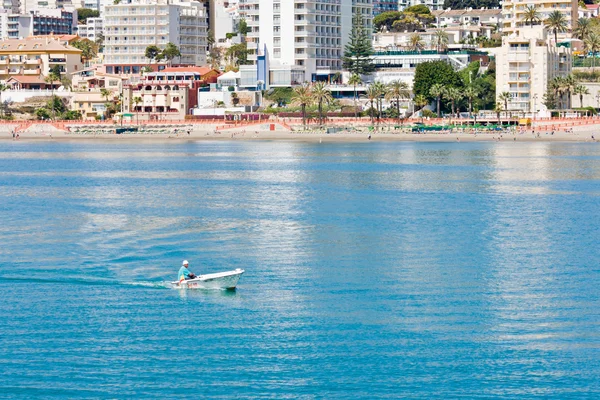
589, 133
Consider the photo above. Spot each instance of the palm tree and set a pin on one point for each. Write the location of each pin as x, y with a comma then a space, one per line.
137, 100
454, 95
354, 81
437, 90
302, 97
3, 88
440, 39
381, 93
106, 94
372, 94
557, 23
397, 90
471, 93
584, 27
569, 83
557, 86
498, 107
51, 79
531, 15
415, 42
505, 97
421, 101
592, 44
580, 90
321, 94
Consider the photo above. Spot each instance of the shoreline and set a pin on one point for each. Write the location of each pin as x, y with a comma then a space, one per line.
320, 137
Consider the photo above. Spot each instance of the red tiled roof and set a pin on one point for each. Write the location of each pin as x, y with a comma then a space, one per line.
200, 70
27, 79
591, 6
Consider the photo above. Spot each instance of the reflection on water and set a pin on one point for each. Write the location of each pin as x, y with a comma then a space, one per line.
372, 270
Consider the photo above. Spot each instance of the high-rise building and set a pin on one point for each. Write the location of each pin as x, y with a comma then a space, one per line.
380, 6
514, 10
132, 25
525, 64
305, 37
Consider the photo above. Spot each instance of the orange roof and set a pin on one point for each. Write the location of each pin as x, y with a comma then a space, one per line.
28, 79
200, 70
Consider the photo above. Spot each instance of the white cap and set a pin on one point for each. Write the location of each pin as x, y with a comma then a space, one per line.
185, 262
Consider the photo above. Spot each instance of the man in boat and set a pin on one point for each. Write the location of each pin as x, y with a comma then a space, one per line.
184, 272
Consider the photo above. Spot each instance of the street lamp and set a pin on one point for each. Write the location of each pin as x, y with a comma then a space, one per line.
535, 97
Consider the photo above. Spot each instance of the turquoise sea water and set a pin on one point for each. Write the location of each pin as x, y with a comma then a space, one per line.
373, 270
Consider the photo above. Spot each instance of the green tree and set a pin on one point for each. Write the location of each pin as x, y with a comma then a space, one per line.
381, 94
107, 94
84, 13
470, 93
584, 27
421, 102
430, 73
580, 90
591, 44
137, 100
454, 95
557, 23
243, 28
89, 49
475, 4
440, 40
396, 91
170, 52
415, 42
302, 97
372, 94
355, 81
357, 53
531, 15
385, 20
3, 88
320, 95
505, 97
52, 78
436, 91
237, 54
152, 53
498, 107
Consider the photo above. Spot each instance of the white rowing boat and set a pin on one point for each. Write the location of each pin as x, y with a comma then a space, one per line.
219, 280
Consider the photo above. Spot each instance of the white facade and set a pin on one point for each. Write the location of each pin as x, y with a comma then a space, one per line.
4, 24
514, 10
431, 4
32, 5
525, 64
92, 29
308, 35
133, 25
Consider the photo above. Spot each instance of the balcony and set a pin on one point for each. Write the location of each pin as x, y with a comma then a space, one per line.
32, 71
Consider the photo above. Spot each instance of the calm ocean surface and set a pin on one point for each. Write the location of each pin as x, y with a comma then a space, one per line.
373, 270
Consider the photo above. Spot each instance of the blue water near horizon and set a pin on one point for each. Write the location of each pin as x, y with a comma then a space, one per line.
373, 270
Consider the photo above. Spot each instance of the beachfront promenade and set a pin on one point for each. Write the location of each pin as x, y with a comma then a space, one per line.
271, 127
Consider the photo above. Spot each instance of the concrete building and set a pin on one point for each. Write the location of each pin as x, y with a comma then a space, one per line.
302, 39
431, 4
41, 22
170, 94
27, 6
468, 17
92, 29
35, 57
525, 64
381, 6
133, 25
513, 11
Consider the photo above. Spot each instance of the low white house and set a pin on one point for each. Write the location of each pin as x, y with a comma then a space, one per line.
230, 78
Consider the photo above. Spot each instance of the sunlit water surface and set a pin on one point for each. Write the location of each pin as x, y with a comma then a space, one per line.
420, 270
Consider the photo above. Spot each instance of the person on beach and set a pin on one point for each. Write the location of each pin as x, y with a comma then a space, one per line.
184, 273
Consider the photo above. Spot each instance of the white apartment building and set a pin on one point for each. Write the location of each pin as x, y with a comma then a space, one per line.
514, 10
133, 25
224, 19
431, 4
92, 29
32, 5
301, 38
525, 64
